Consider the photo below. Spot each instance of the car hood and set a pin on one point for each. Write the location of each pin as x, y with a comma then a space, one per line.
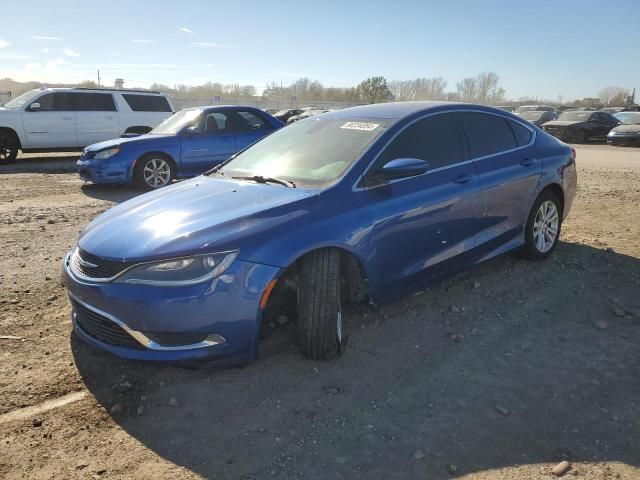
201, 215
562, 123
146, 139
626, 128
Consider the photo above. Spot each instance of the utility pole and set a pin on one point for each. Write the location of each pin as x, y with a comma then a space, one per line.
98, 77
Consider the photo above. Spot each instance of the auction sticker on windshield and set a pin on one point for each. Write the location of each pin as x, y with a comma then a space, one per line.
367, 127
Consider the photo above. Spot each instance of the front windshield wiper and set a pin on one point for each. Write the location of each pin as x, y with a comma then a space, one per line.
261, 179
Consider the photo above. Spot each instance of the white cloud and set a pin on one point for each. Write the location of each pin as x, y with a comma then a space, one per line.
70, 52
45, 50
143, 40
53, 64
4, 43
32, 66
210, 44
15, 56
44, 37
187, 30
289, 74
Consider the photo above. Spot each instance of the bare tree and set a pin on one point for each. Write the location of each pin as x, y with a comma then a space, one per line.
612, 96
467, 89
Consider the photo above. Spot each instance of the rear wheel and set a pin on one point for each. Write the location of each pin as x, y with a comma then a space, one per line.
321, 334
8, 146
579, 137
543, 227
153, 171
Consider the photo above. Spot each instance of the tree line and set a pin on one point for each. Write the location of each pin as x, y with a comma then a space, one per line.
484, 88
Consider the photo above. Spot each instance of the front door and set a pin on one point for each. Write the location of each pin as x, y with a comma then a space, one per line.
425, 224
53, 124
211, 143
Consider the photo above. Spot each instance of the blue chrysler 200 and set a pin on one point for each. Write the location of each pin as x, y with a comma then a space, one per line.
358, 204
184, 145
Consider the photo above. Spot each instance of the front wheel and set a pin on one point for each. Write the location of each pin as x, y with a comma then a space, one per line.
8, 147
543, 227
320, 316
153, 171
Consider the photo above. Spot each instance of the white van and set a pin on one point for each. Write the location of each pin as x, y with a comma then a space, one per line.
58, 119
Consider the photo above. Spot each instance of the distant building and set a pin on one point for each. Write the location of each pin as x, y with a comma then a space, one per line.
5, 96
119, 83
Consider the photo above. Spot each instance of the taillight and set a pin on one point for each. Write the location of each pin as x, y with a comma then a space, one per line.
573, 154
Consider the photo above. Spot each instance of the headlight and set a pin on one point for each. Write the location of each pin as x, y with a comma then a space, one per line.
108, 153
180, 271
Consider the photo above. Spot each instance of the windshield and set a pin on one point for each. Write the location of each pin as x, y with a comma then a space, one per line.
578, 116
622, 116
313, 152
532, 116
22, 100
175, 123
632, 119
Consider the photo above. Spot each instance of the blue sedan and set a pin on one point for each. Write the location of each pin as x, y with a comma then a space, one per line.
185, 145
360, 204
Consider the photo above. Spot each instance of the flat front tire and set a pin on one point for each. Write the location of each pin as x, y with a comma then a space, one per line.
8, 147
153, 171
321, 333
543, 227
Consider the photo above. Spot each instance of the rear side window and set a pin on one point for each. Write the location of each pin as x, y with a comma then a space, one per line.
522, 133
249, 121
488, 134
434, 139
55, 102
93, 102
147, 103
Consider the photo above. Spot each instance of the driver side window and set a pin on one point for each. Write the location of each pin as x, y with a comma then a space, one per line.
436, 139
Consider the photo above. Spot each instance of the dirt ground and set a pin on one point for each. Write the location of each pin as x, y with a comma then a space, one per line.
500, 373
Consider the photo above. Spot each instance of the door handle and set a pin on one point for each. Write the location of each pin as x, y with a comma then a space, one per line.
527, 162
67, 118
226, 137
109, 117
462, 178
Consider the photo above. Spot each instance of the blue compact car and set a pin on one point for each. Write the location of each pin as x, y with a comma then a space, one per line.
185, 145
358, 204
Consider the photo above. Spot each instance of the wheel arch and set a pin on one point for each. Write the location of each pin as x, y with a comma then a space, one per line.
14, 133
166, 155
556, 189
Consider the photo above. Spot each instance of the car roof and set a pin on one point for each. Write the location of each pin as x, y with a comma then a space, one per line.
98, 89
394, 110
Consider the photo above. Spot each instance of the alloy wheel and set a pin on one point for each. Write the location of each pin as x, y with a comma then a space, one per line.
157, 172
545, 226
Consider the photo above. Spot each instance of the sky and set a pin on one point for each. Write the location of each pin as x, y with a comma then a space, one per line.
543, 49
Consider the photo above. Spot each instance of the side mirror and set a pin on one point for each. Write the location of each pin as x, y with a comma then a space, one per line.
34, 107
404, 167
191, 131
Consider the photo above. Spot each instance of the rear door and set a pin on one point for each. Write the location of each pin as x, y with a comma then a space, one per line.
425, 224
96, 117
508, 173
249, 127
53, 125
212, 143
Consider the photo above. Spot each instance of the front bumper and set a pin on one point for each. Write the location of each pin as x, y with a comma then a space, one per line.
624, 140
112, 170
218, 318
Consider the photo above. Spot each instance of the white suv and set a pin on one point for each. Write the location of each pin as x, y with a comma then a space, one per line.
51, 119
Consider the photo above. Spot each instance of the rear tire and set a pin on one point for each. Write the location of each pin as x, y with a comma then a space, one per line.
9, 147
543, 227
153, 171
579, 137
320, 316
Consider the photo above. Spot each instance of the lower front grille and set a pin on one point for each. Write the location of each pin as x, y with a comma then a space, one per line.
101, 328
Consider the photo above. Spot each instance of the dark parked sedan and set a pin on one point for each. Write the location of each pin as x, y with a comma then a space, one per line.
284, 115
538, 117
580, 125
628, 133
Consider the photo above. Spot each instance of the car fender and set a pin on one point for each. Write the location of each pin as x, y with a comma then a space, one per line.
11, 120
